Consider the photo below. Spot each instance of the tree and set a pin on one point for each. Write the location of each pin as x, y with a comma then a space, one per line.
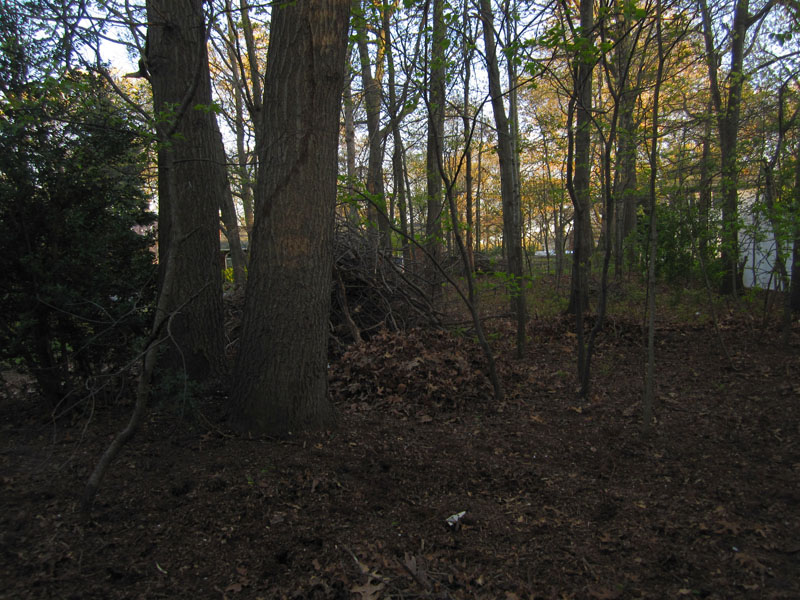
435, 141
579, 170
191, 184
512, 209
727, 111
78, 276
377, 209
281, 376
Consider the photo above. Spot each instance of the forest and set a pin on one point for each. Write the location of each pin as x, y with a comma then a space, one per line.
367, 299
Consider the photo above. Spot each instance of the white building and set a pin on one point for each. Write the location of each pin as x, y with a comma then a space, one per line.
757, 244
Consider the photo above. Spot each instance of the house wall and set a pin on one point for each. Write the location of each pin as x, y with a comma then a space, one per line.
757, 244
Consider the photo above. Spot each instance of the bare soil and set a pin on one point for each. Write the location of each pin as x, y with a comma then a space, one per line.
560, 498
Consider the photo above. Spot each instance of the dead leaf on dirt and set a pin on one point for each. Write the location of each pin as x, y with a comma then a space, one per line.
604, 593
425, 419
234, 587
750, 562
727, 527
752, 587
368, 591
417, 569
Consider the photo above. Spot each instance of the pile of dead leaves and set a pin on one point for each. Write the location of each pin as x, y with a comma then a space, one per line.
408, 370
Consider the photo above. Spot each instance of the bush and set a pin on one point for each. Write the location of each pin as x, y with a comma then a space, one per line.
78, 273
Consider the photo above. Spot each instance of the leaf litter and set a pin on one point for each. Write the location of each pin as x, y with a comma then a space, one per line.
558, 499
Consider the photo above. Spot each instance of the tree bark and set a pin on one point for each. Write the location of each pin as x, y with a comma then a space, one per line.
281, 378
794, 286
582, 227
649, 388
436, 106
728, 117
512, 212
377, 209
398, 174
177, 61
350, 148
467, 52
625, 173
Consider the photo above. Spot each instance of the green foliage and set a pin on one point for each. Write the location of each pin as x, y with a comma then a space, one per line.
678, 232
77, 269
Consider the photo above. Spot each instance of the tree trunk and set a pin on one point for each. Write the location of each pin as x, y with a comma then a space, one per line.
378, 209
794, 288
436, 105
649, 389
398, 174
728, 117
246, 187
177, 61
705, 193
625, 175
582, 227
467, 51
350, 149
281, 373
512, 213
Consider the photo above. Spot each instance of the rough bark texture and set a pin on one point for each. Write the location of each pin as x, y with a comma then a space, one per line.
281, 373
192, 180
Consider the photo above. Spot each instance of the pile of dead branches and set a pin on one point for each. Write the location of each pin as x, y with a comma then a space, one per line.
372, 290
375, 290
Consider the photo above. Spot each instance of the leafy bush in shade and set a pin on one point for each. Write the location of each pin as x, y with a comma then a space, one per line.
75, 231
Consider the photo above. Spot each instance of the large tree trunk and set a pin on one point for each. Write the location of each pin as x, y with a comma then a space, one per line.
281, 377
191, 178
512, 212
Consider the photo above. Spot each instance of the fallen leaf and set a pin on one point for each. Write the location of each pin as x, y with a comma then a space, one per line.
750, 562
368, 591
604, 594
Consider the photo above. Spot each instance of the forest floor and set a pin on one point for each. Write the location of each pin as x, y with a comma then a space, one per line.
560, 498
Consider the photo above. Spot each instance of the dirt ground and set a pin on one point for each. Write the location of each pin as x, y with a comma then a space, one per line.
548, 497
